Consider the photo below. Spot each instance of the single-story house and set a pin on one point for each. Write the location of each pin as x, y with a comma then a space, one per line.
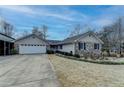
6, 44
80, 44
30, 44
52, 45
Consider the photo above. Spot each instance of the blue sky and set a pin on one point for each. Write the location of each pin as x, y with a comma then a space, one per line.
60, 19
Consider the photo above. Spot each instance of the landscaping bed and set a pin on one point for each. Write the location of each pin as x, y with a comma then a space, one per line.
109, 62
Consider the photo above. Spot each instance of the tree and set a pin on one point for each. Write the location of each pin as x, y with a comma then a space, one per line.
40, 31
44, 31
76, 30
112, 36
6, 28
25, 33
79, 29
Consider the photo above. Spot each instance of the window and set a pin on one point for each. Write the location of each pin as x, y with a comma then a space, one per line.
96, 46
82, 46
60, 46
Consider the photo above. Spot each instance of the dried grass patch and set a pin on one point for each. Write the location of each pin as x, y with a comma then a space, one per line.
73, 73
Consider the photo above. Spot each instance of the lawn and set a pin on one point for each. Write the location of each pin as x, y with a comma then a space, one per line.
73, 73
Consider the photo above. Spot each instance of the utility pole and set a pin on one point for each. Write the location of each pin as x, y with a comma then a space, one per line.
120, 36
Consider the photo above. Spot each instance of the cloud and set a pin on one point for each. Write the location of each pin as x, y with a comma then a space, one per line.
69, 15
108, 16
102, 22
62, 18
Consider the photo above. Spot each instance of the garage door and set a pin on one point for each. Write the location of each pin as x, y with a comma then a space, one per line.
31, 49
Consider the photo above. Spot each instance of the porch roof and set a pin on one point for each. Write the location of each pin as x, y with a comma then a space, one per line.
6, 38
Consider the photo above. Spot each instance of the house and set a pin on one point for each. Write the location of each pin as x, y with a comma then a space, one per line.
52, 45
6, 44
80, 44
30, 44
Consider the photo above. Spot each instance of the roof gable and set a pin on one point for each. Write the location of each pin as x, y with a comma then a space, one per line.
78, 37
28, 36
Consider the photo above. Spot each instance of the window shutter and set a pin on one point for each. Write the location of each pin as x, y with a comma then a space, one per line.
79, 46
98, 46
84, 46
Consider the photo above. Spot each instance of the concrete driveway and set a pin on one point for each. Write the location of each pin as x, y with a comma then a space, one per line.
27, 71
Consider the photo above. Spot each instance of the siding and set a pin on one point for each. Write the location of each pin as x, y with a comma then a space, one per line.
68, 48
90, 40
30, 40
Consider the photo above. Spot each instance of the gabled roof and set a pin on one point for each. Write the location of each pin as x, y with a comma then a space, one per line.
24, 37
77, 37
7, 36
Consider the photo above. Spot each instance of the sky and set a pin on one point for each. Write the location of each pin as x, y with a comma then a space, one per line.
60, 20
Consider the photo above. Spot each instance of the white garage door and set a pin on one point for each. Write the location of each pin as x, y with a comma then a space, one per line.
31, 49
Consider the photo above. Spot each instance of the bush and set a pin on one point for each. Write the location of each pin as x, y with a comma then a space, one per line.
113, 54
76, 55
64, 53
50, 52
13, 51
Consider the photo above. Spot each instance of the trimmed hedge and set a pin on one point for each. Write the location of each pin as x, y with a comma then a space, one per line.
50, 52
68, 54
92, 61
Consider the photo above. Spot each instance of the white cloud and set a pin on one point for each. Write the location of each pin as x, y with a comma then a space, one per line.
102, 22
70, 15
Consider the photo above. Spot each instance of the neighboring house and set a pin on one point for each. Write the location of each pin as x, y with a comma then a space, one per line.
30, 44
6, 44
81, 44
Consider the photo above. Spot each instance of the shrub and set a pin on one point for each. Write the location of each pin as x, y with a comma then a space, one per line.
112, 54
50, 52
76, 55
64, 53
13, 51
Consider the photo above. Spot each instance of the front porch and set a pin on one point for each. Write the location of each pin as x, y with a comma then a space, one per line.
6, 47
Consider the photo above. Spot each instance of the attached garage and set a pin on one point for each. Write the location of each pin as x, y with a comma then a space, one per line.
30, 44
30, 49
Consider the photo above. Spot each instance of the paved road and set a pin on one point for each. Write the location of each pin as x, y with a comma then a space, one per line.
27, 71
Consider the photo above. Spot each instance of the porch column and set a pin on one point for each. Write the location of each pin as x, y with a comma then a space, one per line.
4, 48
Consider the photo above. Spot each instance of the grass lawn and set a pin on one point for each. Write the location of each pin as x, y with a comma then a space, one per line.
73, 73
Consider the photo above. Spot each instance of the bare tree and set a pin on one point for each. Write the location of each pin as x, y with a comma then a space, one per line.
76, 30
44, 31
6, 28
25, 33
40, 31
79, 29
112, 36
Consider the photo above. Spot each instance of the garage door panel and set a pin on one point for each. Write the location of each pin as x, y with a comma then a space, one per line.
31, 49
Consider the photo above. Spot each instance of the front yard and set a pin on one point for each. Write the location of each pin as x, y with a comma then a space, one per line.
73, 73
